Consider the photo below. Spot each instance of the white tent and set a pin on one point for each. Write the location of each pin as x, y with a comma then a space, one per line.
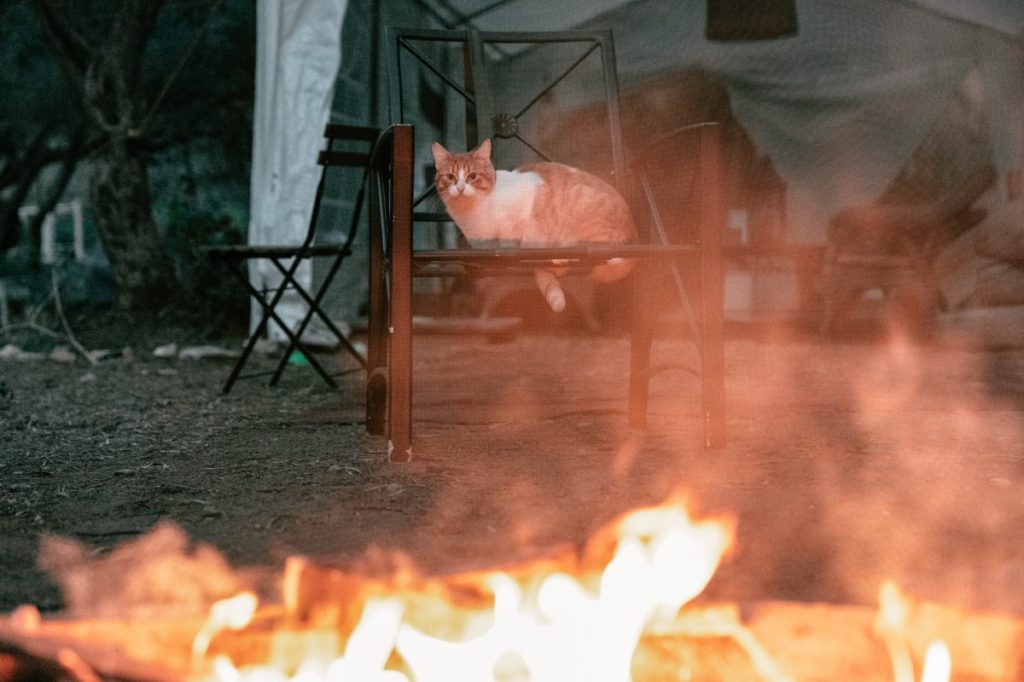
298, 51
1004, 16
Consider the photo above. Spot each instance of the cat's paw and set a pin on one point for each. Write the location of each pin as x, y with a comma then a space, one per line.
556, 298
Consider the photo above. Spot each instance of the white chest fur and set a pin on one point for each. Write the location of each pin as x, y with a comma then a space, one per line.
504, 213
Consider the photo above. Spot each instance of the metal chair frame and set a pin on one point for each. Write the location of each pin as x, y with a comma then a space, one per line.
287, 259
394, 262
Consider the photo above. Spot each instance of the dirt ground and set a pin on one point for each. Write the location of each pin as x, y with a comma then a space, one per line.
847, 462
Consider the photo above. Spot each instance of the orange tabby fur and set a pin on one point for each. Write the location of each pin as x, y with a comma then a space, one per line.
538, 204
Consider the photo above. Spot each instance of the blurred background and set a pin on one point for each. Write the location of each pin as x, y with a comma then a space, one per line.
130, 136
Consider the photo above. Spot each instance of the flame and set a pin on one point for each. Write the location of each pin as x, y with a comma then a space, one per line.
233, 613
555, 628
938, 666
891, 625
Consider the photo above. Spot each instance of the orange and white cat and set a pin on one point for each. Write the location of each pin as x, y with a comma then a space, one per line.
538, 204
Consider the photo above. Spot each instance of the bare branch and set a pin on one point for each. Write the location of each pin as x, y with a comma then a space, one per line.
32, 323
16, 165
64, 320
176, 71
73, 48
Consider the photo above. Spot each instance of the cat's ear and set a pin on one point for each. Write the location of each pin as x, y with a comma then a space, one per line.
441, 155
483, 152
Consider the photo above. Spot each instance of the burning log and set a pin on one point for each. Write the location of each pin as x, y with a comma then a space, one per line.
148, 650
20, 666
800, 642
628, 618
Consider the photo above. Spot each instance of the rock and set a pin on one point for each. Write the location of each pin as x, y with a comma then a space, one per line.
203, 352
100, 354
63, 355
266, 346
12, 352
168, 350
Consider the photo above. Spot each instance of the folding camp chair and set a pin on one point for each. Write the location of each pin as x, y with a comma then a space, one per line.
489, 77
339, 139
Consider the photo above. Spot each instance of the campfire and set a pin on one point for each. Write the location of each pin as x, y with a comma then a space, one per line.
621, 609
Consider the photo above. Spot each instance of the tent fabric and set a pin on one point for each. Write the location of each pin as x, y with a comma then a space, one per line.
1005, 16
298, 53
841, 106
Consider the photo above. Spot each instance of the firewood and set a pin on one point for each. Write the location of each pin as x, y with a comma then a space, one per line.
766, 642
824, 642
820, 642
149, 651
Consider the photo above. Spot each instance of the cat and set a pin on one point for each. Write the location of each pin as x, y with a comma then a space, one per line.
537, 204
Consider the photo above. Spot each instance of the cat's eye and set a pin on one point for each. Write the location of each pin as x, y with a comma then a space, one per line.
450, 177
472, 176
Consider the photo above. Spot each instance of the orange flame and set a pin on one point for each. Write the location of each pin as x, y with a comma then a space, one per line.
556, 628
891, 627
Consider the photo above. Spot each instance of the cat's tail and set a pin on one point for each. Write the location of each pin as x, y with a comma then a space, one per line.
612, 270
547, 282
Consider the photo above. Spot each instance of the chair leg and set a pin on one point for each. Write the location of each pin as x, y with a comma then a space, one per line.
400, 338
377, 315
829, 286
315, 309
712, 292
246, 352
400, 370
640, 341
377, 401
269, 311
713, 383
243, 276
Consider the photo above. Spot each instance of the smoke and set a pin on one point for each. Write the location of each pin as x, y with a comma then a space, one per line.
159, 573
858, 463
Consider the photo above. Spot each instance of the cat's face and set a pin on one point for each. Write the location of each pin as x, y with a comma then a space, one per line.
463, 177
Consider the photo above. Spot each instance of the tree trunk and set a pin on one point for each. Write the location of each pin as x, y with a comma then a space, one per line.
121, 207
106, 68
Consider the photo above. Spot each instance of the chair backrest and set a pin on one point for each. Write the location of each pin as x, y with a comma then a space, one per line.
539, 96
345, 146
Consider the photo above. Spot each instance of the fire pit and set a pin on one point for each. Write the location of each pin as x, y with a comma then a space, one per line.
621, 609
